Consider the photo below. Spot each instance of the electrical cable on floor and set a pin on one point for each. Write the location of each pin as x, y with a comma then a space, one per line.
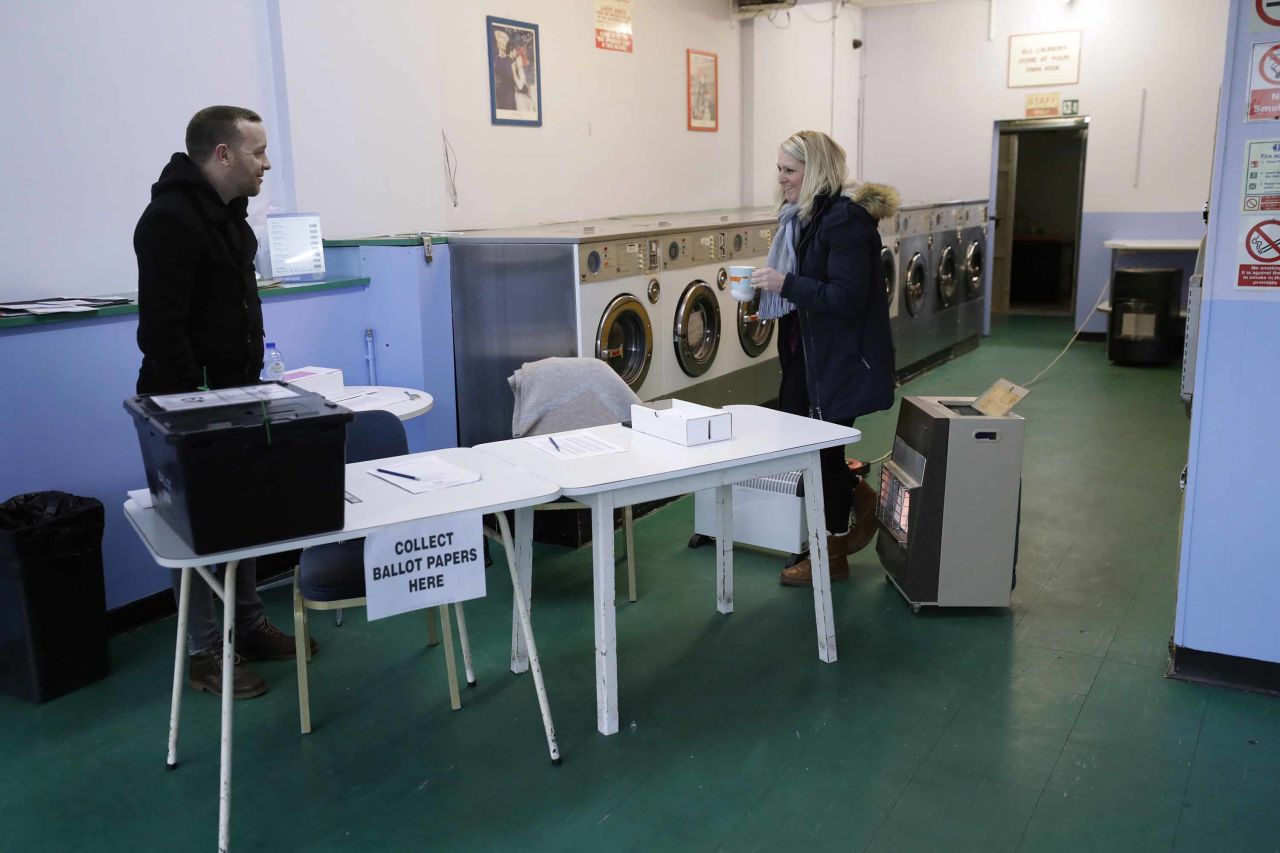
1047, 367
1092, 311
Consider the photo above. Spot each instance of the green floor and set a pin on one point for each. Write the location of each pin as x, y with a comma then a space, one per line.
1047, 727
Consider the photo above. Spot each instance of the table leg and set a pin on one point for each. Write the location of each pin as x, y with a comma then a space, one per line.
605, 617
526, 630
179, 666
523, 556
450, 665
814, 515
228, 675
724, 549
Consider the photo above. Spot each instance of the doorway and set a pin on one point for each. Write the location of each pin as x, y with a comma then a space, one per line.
1038, 203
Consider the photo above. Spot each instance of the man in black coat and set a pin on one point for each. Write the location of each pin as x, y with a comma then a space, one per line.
200, 326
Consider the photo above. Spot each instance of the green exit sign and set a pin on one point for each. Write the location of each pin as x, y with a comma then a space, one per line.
1071, 107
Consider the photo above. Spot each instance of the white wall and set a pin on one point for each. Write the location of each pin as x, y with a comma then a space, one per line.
803, 75
935, 83
96, 96
371, 86
101, 94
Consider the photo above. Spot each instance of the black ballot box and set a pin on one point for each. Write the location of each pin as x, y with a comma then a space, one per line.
236, 467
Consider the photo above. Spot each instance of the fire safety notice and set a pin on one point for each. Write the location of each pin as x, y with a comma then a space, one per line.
1261, 176
1264, 82
1259, 252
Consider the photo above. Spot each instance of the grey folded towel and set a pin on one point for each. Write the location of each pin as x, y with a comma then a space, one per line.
557, 394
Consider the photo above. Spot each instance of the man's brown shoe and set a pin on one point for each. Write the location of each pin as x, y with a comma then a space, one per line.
864, 513
801, 574
204, 672
268, 643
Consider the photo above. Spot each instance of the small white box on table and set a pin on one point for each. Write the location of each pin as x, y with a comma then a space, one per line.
684, 423
321, 380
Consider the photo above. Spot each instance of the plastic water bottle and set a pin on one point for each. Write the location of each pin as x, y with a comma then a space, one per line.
273, 370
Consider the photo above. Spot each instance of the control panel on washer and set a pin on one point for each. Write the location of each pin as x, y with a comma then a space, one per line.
617, 258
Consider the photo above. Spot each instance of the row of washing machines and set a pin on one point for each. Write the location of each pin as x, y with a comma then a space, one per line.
649, 295
933, 262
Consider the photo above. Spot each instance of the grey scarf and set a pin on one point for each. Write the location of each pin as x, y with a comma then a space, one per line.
782, 257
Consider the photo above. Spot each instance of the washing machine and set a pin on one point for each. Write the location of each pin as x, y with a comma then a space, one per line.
620, 311
889, 263
719, 351
972, 225
945, 279
565, 289
911, 334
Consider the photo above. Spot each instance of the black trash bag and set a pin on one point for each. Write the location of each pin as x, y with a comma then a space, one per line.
53, 636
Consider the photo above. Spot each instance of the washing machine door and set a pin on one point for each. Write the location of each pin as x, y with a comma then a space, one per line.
915, 280
947, 276
973, 269
697, 328
753, 333
889, 269
624, 339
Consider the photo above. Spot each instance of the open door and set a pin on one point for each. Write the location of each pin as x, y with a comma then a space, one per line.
1006, 184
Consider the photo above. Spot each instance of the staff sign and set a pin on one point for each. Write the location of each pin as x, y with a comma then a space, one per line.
421, 564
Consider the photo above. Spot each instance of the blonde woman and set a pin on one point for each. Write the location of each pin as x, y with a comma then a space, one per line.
823, 284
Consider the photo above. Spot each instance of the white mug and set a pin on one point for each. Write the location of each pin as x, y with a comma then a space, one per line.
740, 284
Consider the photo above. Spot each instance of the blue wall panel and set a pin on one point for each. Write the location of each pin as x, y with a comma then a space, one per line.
1095, 259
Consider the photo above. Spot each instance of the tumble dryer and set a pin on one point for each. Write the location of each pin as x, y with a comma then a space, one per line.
911, 335
944, 320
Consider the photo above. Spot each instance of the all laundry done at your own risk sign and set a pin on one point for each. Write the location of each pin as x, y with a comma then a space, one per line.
421, 564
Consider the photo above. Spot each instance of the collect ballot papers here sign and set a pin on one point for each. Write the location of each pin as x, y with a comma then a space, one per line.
1259, 253
421, 564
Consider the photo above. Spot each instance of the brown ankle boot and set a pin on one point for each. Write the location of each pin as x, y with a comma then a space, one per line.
864, 513
801, 574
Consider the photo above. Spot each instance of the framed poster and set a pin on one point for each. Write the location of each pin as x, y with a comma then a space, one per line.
702, 90
515, 72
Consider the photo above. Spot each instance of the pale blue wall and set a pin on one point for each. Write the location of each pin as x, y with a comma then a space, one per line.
64, 426
1095, 259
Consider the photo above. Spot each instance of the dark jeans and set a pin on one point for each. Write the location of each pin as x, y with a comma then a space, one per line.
204, 608
837, 482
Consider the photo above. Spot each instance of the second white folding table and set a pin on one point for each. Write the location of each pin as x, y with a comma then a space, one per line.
764, 442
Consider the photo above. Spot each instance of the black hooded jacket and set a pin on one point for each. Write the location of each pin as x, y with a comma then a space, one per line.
843, 312
199, 314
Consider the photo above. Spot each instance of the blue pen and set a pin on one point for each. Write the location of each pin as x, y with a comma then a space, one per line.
553, 442
397, 474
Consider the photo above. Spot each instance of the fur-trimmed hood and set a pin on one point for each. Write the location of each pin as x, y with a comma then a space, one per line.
879, 200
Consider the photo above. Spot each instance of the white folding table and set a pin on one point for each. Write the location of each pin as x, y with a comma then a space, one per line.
404, 403
764, 442
501, 487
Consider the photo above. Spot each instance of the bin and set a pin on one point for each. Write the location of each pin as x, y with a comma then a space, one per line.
53, 631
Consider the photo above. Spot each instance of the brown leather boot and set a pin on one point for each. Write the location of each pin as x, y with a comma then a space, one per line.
204, 672
864, 513
801, 574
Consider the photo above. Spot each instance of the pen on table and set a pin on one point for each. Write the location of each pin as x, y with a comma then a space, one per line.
397, 474
553, 442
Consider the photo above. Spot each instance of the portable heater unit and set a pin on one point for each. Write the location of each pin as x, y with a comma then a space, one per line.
949, 503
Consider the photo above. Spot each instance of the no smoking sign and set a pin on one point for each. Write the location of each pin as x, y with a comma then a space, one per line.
1259, 253
1264, 82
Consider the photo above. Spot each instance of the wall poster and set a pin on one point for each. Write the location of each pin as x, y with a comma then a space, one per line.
613, 25
702, 90
1044, 59
515, 72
